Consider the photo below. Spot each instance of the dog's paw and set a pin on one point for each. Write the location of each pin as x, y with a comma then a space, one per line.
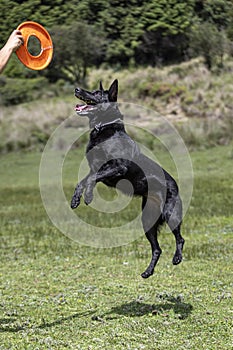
177, 259
147, 273
75, 202
88, 200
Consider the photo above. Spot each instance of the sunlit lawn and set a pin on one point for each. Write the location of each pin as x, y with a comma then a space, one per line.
57, 294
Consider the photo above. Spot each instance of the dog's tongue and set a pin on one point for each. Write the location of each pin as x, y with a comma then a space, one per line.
79, 108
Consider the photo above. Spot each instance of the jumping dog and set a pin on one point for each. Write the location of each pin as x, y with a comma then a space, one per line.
113, 156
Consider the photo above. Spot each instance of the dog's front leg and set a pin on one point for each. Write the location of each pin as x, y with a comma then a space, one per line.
90, 185
78, 192
105, 173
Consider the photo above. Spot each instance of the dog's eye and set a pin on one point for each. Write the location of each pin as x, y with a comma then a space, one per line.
97, 92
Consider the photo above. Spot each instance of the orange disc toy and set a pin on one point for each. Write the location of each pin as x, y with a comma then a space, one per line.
42, 60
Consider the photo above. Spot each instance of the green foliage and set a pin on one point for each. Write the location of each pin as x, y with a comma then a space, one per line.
48, 13
165, 24
218, 12
77, 47
120, 33
15, 69
186, 93
208, 41
206, 133
165, 91
229, 29
121, 21
170, 17
15, 91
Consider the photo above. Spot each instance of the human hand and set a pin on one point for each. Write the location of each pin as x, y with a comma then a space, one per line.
15, 40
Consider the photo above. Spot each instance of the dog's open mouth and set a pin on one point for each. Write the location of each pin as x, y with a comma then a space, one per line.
87, 106
88, 103
83, 107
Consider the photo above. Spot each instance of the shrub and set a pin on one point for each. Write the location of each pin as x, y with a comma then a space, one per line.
206, 133
15, 91
165, 91
208, 41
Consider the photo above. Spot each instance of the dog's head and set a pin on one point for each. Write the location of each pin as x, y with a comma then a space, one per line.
99, 105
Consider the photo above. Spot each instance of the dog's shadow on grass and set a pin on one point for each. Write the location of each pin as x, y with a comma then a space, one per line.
137, 308
9, 324
134, 308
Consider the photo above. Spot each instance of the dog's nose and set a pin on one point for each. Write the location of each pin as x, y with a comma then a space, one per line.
78, 92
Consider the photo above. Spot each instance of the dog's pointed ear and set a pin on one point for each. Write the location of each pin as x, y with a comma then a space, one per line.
113, 91
101, 86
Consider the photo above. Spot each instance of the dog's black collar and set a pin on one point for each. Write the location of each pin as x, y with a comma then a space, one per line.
101, 126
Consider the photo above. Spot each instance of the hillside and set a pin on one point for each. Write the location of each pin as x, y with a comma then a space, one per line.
188, 90
197, 101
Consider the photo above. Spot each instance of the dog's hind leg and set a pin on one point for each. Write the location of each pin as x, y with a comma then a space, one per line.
177, 258
173, 217
151, 231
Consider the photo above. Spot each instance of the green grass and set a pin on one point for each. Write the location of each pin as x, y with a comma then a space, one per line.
57, 294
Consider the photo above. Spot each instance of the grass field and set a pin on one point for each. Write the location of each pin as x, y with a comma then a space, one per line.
57, 294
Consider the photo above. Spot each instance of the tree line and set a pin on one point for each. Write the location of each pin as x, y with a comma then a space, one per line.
122, 33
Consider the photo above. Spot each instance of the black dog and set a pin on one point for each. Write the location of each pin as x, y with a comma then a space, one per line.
113, 156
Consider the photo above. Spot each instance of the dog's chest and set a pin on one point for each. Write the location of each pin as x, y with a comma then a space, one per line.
104, 147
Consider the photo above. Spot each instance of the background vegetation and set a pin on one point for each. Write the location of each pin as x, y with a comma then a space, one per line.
122, 33
197, 101
142, 39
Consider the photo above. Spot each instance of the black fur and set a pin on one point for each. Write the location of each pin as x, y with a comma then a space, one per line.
112, 156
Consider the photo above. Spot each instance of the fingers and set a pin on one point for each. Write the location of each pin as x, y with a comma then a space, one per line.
15, 40
17, 32
18, 37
